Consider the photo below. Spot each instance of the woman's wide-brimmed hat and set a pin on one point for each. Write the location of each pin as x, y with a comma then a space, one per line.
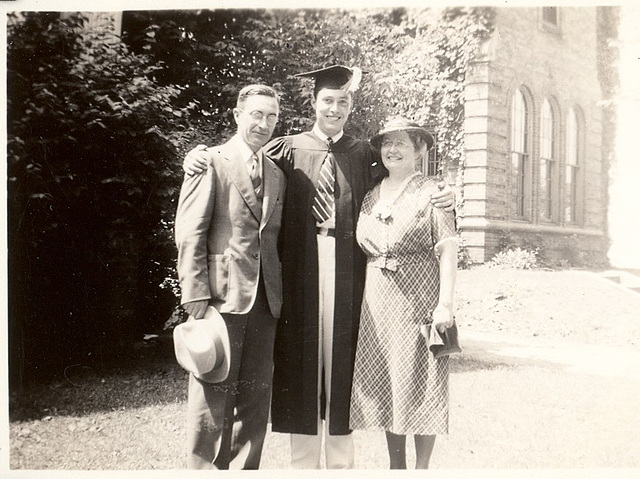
402, 124
202, 347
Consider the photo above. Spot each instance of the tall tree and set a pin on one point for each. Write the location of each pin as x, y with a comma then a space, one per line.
92, 175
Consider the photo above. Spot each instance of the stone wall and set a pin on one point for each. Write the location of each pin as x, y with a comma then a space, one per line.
558, 64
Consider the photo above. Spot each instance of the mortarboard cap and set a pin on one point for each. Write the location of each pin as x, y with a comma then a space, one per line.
336, 77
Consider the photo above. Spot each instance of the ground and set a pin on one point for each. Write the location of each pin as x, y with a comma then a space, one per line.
548, 378
576, 305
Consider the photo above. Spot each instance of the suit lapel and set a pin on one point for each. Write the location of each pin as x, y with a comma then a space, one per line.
240, 177
271, 187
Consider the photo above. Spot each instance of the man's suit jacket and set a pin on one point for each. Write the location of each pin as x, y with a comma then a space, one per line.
225, 234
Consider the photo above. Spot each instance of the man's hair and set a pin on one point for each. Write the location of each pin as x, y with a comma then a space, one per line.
317, 90
252, 90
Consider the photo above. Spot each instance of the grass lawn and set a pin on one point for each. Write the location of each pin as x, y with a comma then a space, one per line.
505, 412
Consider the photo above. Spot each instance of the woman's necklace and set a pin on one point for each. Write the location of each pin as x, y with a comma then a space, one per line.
385, 191
388, 196
386, 185
389, 193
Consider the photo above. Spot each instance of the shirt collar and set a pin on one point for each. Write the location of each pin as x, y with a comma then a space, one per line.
244, 149
335, 138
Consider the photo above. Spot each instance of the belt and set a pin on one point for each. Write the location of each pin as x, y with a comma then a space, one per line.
391, 263
325, 231
384, 262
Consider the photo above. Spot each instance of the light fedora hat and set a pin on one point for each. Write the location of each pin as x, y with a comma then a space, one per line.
202, 347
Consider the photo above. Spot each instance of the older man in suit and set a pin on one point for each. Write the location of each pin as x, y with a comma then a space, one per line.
227, 228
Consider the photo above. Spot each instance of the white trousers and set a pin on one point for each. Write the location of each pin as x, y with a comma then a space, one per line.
305, 448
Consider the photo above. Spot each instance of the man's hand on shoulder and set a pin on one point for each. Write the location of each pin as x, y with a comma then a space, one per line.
196, 161
444, 198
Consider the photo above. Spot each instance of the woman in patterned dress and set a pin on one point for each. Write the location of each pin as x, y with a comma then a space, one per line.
398, 385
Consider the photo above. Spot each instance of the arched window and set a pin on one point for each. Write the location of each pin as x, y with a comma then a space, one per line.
572, 167
520, 158
548, 162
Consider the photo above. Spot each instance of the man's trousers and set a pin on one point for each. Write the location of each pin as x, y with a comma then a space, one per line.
227, 422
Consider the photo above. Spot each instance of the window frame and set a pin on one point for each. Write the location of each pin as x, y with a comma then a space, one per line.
520, 153
573, 162
431, 165
548, 158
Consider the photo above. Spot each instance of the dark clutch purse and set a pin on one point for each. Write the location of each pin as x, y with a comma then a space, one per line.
445, 343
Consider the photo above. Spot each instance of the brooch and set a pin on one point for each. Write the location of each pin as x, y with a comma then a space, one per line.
382, 213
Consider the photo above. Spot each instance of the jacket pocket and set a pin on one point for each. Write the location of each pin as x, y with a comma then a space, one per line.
219, 275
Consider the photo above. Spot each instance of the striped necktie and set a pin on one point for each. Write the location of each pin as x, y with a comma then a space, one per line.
256, 180
323, 203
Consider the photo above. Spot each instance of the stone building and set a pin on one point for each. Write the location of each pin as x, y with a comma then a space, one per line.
536, 171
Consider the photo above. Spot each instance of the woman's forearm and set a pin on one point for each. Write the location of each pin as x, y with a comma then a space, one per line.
448, 266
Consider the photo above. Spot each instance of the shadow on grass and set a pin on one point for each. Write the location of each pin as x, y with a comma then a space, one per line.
149, 377
463, 363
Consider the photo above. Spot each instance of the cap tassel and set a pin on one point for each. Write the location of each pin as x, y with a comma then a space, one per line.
354, 83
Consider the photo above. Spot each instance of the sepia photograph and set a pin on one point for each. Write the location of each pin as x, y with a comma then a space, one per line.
344, 238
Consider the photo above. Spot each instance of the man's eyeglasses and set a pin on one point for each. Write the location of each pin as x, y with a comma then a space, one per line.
257, 115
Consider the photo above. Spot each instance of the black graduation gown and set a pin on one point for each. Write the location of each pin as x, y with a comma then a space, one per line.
294, 404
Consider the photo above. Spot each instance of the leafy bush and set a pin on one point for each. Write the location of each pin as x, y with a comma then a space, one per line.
415, 61
516, 258
92, 181
464, 260
558, 251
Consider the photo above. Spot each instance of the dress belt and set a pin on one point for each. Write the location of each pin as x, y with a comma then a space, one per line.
325, 231
391, 263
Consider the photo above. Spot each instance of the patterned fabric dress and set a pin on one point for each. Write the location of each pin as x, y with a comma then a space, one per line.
399, 386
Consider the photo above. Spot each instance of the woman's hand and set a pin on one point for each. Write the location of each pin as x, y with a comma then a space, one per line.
196, 161
442, 317
444, 198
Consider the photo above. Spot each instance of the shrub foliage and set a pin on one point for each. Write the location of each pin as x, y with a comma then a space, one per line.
92, 180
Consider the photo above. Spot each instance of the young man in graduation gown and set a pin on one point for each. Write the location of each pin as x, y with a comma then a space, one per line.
328, 174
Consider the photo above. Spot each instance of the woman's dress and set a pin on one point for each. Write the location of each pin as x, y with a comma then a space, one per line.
399, 386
